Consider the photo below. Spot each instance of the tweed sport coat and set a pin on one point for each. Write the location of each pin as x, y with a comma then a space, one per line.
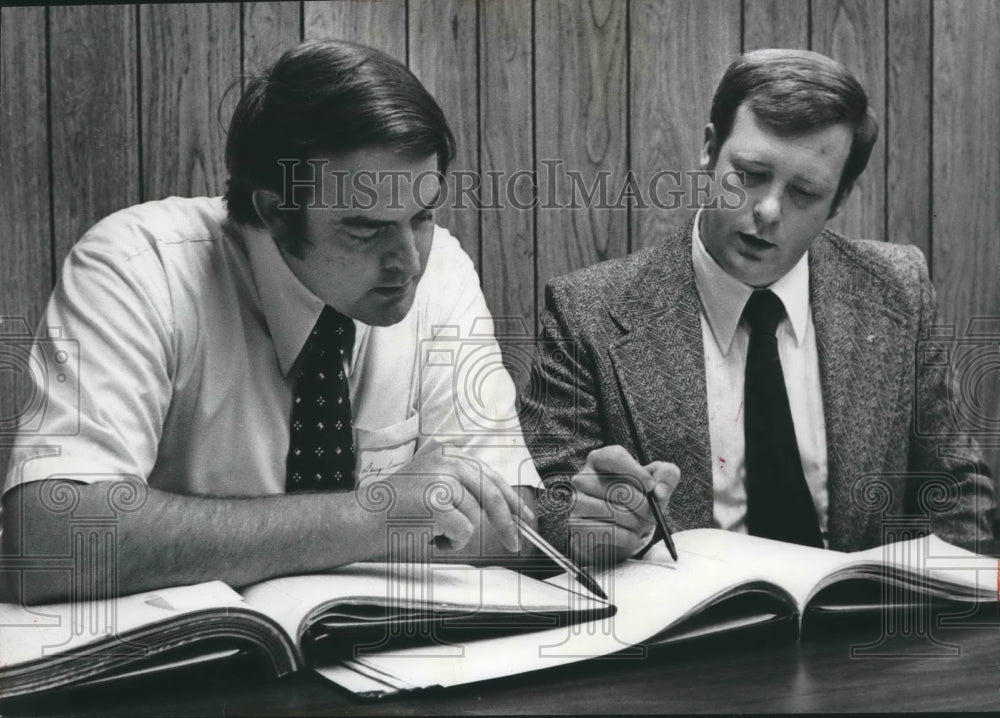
621, 361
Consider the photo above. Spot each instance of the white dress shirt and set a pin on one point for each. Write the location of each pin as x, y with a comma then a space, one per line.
180, 331
726, 339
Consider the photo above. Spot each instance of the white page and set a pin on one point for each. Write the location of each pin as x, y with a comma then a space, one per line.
801, 569
795, 568
29, 633
941, 561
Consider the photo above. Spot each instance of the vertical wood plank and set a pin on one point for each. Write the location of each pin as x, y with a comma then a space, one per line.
679, 52
966, 184
508, 243
775, 23
95, 125
581, 82
269, 28
190, 56
907, 125
443, 54
26, 268
852, 32
380, 24
966, 179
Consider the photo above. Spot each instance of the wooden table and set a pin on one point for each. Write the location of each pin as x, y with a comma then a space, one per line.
725, 674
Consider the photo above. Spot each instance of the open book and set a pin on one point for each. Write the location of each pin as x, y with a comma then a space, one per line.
722, 581
378, 629
295, 621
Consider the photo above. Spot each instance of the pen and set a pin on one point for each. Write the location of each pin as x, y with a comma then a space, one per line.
661, 525
564, 563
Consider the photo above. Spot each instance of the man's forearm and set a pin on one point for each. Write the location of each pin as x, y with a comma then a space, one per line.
162, 539
169, 539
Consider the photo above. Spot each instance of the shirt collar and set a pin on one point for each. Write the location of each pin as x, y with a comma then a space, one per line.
723, 297
290, 308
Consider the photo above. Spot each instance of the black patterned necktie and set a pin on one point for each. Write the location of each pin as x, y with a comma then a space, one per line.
779, 504
321, 440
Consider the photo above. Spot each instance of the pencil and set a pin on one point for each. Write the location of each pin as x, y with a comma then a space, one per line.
661, 525
563, 562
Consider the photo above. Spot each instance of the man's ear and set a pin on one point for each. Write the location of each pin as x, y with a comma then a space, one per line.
709, 150
839, 204
266, 202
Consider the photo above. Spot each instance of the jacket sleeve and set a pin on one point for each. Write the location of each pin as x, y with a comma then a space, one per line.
954, 487
560, 409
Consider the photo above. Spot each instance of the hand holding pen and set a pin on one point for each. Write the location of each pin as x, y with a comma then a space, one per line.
615, 502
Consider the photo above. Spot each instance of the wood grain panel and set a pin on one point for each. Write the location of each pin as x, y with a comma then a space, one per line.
379, 24
25, 269
581, 86
269, 28
679, 52
443, 55
775, 23
907, 126
966, 184
966, 251
852, 32
95, 125
506, 145
190, 56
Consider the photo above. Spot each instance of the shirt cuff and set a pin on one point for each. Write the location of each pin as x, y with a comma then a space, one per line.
65, 468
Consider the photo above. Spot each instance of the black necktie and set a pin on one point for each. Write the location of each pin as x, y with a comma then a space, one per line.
779, 504
321, 441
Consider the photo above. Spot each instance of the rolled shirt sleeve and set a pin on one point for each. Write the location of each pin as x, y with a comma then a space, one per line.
100, 369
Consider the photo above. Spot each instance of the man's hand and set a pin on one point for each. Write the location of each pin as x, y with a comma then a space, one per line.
452, 492
610, 517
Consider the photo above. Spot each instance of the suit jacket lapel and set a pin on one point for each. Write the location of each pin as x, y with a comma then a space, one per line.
660, 368
862, 348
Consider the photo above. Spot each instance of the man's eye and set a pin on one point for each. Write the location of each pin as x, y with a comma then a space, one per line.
804, 194
364, 236
752, 176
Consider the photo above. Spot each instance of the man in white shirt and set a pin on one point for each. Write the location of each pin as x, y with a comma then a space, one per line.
269, 383
773, 361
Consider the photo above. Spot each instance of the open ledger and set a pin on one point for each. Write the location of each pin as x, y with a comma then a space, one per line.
723, 581
378, 629
295, 621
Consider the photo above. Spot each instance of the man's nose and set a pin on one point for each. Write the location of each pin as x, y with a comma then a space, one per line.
767, 209
402, 256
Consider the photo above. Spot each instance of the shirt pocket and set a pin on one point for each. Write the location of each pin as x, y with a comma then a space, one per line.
382, 452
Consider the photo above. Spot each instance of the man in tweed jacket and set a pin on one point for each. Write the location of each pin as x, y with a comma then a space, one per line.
640, 340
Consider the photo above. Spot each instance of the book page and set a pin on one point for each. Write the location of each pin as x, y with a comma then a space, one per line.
344, 597
945, 569
650, 598
35, 632
803, 570
795, 568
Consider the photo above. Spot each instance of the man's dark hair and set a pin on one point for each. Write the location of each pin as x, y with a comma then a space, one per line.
323, 98
795, 91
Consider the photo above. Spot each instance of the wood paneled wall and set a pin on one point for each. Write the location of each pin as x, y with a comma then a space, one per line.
105, 106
